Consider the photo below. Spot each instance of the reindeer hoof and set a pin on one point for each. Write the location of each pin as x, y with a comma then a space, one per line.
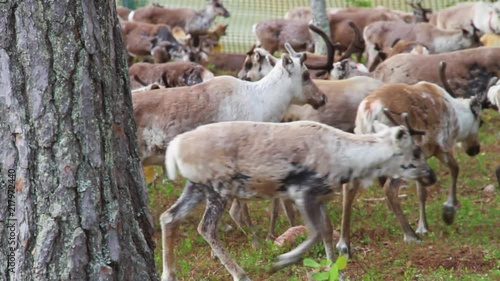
412, 238
449, 214
343, 249
422, 230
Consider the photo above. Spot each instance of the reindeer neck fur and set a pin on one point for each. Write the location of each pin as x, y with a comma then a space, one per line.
465, 117
270, 97
451, 40
366, 156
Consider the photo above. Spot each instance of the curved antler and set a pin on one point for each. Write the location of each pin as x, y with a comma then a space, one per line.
412, 131
389, 116
330, 47
250, 52
404, 115
442, 75
139, 80
357, 44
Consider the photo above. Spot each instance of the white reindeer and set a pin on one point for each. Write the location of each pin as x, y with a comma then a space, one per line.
303, 161
160, 115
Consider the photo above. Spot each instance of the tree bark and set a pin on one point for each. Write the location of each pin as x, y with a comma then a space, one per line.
68, 147
319, 19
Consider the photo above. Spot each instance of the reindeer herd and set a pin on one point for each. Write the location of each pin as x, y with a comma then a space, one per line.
298, 128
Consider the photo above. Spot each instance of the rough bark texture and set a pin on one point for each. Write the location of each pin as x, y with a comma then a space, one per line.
66, 128
319, 19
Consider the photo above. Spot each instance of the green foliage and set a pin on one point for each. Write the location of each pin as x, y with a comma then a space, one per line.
325, 270
359, 3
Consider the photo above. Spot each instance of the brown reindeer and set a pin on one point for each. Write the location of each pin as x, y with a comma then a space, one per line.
381, 34
192, 21
169, 74
446, 120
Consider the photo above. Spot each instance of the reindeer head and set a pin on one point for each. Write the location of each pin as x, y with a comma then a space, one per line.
309, 92
407, 160
217, 8
258, 63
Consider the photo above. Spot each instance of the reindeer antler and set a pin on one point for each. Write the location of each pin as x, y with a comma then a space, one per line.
404, 115
250, 52
389, 116
412, 131
357, 44
330, 48
442, 75
139, 80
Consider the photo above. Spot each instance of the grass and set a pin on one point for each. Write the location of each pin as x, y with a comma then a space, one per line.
467, 250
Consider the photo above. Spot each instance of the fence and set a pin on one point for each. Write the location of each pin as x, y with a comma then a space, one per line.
245, 13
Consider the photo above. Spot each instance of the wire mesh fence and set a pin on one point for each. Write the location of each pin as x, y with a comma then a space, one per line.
246, 13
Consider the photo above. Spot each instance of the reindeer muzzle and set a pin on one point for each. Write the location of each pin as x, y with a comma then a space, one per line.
473, 150
429, 179
226, 13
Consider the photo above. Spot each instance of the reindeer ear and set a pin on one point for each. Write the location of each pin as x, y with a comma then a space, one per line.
287, 62
271, 60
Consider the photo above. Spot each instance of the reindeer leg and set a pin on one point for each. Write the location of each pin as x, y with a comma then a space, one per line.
287, 205
422, 221
208, 229
450, 205
349, 192
327, 233
239, 214
170, 219
391, 190
272, 220
497, 172
311, 212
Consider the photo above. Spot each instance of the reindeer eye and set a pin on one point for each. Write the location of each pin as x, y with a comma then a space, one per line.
248, 66
217, 5
306, 76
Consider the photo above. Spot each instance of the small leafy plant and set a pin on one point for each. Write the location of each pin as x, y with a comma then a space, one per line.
322, 271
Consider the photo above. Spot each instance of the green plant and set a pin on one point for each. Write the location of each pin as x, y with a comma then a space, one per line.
359, 3
323, 273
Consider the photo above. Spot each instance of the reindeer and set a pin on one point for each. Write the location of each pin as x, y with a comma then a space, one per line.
361, 17
162, 114
343, 98
397, 47
143, 39
257, 65
469, 69
190, 20
446, 120
485, 16
170, 74
122, 13
381, 34
257, 160
272, 34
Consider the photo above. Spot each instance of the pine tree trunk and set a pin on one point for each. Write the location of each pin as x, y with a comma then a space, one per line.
78, 204
319, 19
